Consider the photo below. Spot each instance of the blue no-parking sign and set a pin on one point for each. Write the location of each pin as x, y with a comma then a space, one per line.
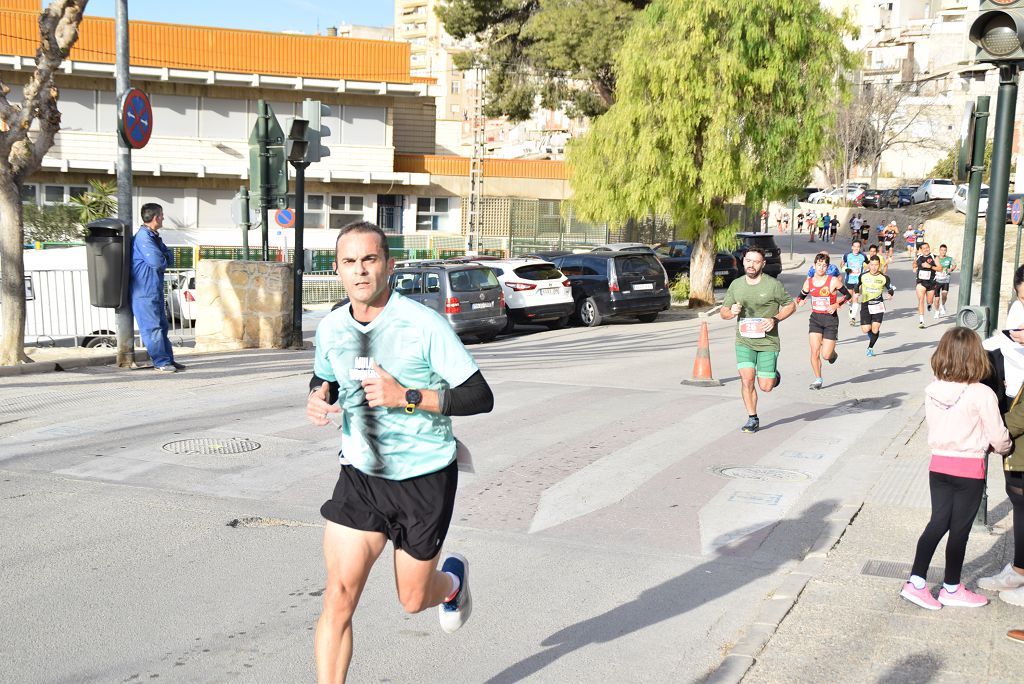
1015, 211
285, 218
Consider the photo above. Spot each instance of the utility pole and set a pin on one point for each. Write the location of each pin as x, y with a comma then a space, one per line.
476, 166
977, 170
124, 318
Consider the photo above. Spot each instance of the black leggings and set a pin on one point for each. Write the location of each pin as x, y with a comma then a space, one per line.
1015, 490
955, 502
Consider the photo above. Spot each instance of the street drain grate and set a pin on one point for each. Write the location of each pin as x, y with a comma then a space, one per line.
760, 473
898, 570
212, 445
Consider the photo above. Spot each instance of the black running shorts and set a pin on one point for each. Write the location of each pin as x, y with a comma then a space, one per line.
826, 325
939, 287
867, 318
414, 514
926, 284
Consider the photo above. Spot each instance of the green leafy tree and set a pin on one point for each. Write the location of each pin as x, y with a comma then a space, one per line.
945, 167
52, 223
558, 50
99, 202
736, 100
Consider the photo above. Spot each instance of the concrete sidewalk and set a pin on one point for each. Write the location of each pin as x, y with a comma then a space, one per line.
849, 624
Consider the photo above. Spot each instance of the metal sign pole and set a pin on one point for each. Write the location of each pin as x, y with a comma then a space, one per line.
124, 317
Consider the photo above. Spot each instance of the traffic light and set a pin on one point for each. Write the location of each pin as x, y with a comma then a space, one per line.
296, 147
998, 31
278, 175
314, 111
973, 318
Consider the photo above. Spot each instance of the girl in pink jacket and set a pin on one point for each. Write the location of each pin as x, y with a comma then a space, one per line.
963, 423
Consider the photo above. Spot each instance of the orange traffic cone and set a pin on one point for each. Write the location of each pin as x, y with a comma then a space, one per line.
702, 364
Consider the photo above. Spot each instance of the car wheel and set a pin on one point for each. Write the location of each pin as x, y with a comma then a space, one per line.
588, 313
926, 197
912, 201
101, 342
509, 323
648, 318
558, 323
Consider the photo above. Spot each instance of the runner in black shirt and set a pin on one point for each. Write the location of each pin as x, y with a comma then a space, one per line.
925, 267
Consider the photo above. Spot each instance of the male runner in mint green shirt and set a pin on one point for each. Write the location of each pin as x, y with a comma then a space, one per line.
393, 371
760, 302
942, 279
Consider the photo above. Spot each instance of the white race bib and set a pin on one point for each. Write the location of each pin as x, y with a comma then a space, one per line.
820, 304
923, 274
942, 277
876, 308
751, 327
855, 269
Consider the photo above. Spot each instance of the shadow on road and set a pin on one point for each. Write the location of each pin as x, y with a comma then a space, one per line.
875, 374
663, 602
918, 667
883, 403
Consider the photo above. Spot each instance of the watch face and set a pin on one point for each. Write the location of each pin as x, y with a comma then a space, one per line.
413, 396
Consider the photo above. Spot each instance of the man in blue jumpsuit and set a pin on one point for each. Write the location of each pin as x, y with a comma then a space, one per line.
150, 257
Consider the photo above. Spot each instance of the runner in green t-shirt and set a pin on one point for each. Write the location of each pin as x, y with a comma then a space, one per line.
760, 302
942, 279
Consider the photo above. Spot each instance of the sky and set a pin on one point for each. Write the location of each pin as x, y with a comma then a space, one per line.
261, 15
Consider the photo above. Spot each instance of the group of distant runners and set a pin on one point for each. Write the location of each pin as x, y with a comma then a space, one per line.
861, 280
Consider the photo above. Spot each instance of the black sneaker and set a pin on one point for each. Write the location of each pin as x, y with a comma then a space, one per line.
179, 366
453, 614
752, 425
778, 379
835, 357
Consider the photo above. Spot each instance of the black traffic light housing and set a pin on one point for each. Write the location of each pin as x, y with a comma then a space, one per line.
297, 144
998, 31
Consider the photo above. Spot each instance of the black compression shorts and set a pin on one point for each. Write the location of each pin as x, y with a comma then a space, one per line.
867, 318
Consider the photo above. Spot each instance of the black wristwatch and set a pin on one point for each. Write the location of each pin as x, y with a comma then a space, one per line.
413, 397
776, 324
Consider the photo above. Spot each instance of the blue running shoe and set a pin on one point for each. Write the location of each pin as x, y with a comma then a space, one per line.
453, 614
871, 352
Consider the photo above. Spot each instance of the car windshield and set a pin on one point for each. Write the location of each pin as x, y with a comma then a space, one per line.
472, 280
675, 249
538, 272
942, 182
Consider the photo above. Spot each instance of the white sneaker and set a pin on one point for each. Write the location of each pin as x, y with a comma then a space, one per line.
942, 311
454, 613
936, 314
1005, 579
1015, 597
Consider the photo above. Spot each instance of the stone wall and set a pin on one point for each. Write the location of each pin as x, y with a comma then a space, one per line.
243, 304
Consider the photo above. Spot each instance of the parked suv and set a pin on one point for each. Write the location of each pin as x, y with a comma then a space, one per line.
468, 295
772, 253
615, 284
535, 292
675, 257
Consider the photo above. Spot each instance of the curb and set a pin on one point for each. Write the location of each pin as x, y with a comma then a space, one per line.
68, 363
795, 265
774, 609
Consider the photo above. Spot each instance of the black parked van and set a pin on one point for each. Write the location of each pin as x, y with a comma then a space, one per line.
615, 284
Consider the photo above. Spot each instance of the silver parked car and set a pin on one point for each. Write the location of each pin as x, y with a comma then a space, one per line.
468, 295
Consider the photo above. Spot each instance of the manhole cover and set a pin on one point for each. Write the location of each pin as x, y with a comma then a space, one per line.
759, 473
212, 445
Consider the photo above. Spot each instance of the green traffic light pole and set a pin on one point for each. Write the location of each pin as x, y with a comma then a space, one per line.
999, 182
263, 137
995, 217
973, 200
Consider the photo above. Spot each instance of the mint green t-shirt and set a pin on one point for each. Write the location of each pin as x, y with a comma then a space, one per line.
758, 301
419, 348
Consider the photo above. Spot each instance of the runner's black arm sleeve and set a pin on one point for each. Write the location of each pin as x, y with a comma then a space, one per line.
332, 390
470, 398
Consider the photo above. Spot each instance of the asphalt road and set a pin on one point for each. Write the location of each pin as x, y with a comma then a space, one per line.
618, 525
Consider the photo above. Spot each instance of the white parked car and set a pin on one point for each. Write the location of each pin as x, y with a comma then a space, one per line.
960, 199
822, 196
535, 292
181, 297
933, 188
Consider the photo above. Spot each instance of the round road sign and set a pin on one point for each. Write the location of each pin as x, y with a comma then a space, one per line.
135, 122
1015, 211
285, 218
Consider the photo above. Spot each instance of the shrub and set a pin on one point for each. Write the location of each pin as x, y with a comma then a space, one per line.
680, 289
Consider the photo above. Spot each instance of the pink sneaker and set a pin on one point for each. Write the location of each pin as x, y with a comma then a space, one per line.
921, 597
962, 597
